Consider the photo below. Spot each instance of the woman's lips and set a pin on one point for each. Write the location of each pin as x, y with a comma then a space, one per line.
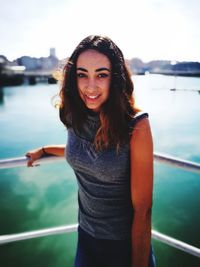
92, 97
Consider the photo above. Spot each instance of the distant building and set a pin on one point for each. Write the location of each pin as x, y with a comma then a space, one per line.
29, 62
44, 63
52, 52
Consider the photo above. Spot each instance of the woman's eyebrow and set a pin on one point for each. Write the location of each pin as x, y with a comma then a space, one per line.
97, 70
82, 69
100, 69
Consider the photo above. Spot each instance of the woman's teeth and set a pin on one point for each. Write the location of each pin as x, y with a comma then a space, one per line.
92, 96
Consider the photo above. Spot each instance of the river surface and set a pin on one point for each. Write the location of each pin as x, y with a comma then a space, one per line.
46, 196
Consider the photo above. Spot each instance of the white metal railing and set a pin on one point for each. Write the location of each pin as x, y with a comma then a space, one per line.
163, 158
158, 157
4, 239
176, 243
177, 162
22, 161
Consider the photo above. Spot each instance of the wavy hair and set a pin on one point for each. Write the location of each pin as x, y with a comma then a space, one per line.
116, 111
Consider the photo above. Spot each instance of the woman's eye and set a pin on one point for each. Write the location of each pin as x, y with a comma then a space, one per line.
103, 75
81, 75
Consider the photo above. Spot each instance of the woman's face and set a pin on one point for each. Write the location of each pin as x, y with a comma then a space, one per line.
93, 72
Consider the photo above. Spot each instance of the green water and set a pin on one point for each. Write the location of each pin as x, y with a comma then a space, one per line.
46, 196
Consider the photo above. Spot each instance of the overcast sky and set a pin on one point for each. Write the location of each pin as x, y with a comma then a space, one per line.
148, 29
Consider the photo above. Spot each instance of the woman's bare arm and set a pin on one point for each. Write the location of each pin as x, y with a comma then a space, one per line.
33, 155
141, 192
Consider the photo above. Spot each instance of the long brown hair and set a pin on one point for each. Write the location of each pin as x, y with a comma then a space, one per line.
116, 111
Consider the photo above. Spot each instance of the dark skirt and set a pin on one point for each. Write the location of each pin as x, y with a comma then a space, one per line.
93, 252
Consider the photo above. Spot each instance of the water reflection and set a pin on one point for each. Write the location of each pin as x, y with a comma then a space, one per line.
37, 197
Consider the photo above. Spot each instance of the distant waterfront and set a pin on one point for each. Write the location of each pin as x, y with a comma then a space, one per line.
46, 196
26, 69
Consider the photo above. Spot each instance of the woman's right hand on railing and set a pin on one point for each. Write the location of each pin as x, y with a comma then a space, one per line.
34, 155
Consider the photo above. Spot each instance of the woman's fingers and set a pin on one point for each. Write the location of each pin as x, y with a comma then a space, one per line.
32, 156
30, 159
30, 163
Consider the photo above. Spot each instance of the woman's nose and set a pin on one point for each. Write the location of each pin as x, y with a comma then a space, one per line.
91, 84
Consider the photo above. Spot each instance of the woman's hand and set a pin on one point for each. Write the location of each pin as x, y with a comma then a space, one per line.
34, 155
55, 150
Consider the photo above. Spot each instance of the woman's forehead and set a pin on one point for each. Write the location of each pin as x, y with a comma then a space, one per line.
93, 58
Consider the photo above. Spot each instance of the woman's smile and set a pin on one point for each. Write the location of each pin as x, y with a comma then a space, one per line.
92, 97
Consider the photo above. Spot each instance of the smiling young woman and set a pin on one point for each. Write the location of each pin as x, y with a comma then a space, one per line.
110, 149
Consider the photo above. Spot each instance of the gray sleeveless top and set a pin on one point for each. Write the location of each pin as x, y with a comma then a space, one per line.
105, 208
